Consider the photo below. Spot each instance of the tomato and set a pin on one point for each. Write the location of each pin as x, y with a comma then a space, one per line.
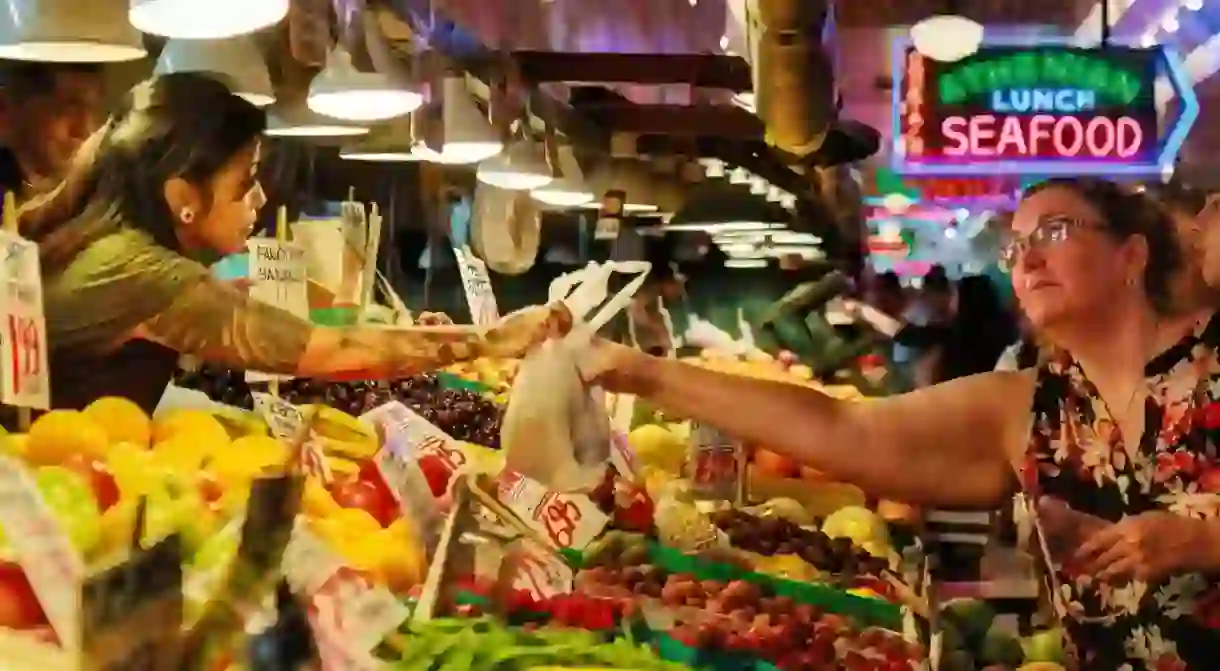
19, 607
368, 497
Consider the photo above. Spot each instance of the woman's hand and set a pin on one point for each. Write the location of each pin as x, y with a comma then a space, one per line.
1146, 547
521, 331
614, 367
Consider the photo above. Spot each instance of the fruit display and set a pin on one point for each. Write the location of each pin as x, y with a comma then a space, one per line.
972, 640
464, 414
778, 536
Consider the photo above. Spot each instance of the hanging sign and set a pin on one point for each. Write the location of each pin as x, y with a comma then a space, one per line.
1049, 109
477, 285
24, 380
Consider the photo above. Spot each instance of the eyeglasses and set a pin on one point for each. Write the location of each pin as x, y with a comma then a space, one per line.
1049, 232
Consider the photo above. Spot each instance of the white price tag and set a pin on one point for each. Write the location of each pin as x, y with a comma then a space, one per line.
342, 605
419, 436
285, 421
277, 274
568, 520
397, 465
52, 566
477, 285
539, 572
23, 329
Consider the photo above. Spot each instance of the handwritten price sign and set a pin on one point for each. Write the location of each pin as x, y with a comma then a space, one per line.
477, 285
568, 520
539, 572
419, 436
398, 467
23, 361
286, 421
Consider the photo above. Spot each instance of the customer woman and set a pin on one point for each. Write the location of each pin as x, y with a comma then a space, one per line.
1117, 431
169, 184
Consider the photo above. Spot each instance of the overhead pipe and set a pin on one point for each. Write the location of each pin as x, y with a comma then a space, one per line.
794, 91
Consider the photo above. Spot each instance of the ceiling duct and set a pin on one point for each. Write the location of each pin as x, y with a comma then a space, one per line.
794, 87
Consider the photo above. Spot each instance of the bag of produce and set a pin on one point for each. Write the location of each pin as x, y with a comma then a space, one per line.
556, 429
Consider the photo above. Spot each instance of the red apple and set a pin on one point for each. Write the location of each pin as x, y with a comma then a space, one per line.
105, 488
19, 608
1209, 481
368, 497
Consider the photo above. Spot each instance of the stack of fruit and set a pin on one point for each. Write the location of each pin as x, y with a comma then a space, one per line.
194, 471
973, 640
465, 415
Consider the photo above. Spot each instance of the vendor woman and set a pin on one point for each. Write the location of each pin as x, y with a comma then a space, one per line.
168, 185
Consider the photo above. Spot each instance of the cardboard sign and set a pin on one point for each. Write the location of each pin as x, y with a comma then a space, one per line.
477, 285
287, 422
43, 551
131, 614
24, 378
343, 606
277, 277
568, 520
537, 571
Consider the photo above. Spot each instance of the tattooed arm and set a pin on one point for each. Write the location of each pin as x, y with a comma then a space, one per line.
217, 323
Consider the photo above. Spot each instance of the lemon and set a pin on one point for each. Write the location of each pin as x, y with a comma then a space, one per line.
133, 469
123, 420
182, 453
14, 444
60, 434
263, 451
658, 447
118, 525
316, 501
195, 423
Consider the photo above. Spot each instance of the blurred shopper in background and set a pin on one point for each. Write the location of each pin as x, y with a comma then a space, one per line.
971, 339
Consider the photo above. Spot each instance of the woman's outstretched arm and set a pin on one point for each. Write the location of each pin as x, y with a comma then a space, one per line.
219, 324
951, 444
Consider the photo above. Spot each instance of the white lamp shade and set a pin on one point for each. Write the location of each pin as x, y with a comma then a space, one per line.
299, 121
521, 168
195, 20
469, 137
235, 61
380, 156
68, 31
569, 188
343, 92
947, 37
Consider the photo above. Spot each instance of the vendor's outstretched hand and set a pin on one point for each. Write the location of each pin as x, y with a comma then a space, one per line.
521, 331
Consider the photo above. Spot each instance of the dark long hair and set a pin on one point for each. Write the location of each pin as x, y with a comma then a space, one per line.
184, 124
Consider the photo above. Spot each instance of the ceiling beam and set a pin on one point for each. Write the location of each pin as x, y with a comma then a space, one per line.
704, 70
722, 120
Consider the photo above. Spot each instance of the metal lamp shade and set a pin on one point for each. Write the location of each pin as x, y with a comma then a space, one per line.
343, 92
195, 20
235, 61
568, 189
521, 168
299, 122
469, 137
68, 31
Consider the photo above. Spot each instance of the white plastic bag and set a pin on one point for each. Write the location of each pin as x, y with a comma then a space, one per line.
556, 429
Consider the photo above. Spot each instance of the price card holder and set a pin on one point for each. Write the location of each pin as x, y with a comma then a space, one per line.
24, 380
289, 425
534, 569
277, 273
716, 465
50, 563
566, 520
131, 614
477, 285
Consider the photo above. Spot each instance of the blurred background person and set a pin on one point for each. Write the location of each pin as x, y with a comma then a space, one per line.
46, 111
969, 339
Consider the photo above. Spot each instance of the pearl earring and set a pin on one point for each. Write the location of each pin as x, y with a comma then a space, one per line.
187, 215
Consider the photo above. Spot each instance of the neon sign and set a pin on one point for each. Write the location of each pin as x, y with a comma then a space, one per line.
1049, 109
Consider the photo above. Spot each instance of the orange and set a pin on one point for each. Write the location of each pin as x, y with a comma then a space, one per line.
123, 420
60, 434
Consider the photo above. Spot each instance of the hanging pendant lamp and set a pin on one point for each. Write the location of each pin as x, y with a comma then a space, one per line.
235, 61
469, 136
203, 19
394, 143
299, 122
343, 92
520, 168
568, 189
68, 31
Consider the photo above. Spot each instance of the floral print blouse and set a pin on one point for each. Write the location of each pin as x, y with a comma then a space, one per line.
1076, 455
